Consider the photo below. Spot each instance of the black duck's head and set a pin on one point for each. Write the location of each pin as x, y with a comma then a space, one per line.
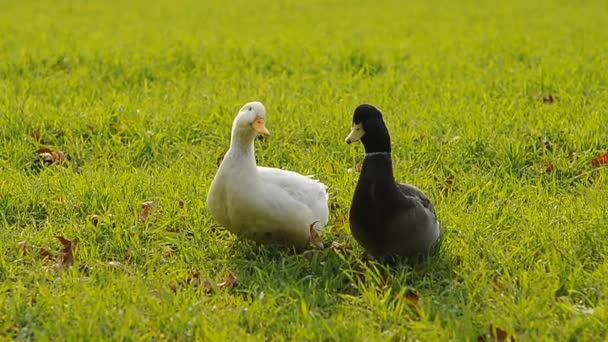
369, 127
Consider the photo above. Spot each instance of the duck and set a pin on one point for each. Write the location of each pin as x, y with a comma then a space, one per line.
390, 220
267, 205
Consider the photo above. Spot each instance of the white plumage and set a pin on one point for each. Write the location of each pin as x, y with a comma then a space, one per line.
259, 203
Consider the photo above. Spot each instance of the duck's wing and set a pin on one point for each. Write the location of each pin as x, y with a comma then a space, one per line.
423, 225
304, 189
412, 191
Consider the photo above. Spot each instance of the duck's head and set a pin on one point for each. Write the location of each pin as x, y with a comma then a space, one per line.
369, 127
252, 118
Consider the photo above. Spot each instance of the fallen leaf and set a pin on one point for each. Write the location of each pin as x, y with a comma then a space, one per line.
548, 99
46, 255
51, 157
315, 239
449, 181
37, 134
551, 168
412, 298
447, 184
66, 255
194, 276
24, 248
44, 149
181, 204
95, 219
600, 161
230, 282
359, 167
500, 335
146, 211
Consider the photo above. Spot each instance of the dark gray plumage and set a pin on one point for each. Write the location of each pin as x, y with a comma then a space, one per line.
389, 219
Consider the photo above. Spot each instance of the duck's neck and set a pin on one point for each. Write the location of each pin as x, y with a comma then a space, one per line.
376, 137
377, 165
241, 147
377, 168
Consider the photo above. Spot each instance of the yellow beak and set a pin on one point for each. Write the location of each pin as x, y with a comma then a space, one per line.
260, 126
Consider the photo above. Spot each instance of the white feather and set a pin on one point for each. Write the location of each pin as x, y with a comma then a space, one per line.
261, 203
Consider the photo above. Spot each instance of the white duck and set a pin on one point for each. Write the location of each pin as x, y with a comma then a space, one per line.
263, 204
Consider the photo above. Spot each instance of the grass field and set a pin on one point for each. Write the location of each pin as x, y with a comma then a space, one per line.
509, 100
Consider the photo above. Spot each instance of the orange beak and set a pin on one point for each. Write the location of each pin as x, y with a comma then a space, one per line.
260, 126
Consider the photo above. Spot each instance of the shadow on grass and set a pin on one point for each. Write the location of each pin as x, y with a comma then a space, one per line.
323, 277
331, 282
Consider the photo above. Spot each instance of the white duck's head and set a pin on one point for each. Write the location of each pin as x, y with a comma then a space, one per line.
251, 120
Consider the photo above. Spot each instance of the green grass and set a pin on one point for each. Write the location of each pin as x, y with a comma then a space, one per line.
141, 95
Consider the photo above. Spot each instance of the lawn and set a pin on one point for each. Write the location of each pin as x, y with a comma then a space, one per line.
496, 110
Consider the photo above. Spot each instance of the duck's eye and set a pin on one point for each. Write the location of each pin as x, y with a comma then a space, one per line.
250, 109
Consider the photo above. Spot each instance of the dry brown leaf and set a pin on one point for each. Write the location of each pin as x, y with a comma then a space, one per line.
359, 166
500, 335
95, 219
44, 149
551, 168
46, 255
146, 211
194, 276
315, 239
412, 298
230, 282
66, 256
181, 204
600, 161
51, 157
447, 184
548, 99
449, 181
